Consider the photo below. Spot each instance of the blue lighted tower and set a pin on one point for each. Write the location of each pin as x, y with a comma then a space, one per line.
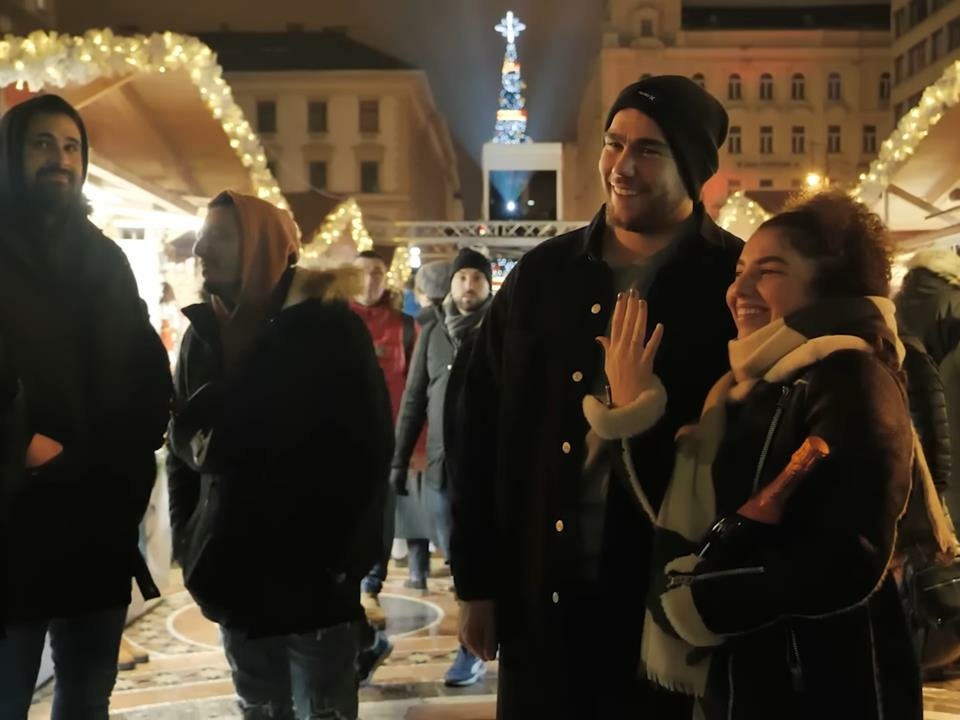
512, 115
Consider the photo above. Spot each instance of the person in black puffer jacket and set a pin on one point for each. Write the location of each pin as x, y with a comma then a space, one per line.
279, 446
928, 408
928, 308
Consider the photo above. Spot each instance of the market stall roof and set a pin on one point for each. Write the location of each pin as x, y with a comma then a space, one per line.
914, 183
157, 109
310, 209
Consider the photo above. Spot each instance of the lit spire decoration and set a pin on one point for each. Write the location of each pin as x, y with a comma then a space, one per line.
512, 115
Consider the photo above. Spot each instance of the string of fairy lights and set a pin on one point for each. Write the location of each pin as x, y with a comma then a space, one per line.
909, 133
50, 60
744, 213
43, 60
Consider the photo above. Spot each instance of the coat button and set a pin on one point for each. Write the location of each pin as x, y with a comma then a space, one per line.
556, 598
595, 309
578, 376
566, 447
559, 526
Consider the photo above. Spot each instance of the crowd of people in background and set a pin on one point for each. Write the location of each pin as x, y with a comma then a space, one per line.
669, 474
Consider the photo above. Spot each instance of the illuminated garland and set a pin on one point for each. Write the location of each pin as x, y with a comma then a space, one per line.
909, 133
399, 271
346, 219
43, 59
739, 208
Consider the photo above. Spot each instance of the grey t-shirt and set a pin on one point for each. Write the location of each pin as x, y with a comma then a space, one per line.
596, 477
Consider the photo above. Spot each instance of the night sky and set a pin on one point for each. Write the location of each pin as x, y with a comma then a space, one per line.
452, 40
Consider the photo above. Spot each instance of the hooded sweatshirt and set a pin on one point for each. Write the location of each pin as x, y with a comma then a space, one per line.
277, 466
269, 245
95, 377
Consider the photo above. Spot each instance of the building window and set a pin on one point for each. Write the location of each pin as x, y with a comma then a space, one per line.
266, 116
834, 86
700, 80
733, 140
833, 139
370, 116
272, 167
369, 177
317, 116
318, 175
766, 183
917, 58
798, 140
898, 64
734, 88
953, 34
798, 87
939, 5
646, 28
870, 139
766, 87
918, 11
796, 183
899, 20
884, 90
766, 140
733, 185
937, 44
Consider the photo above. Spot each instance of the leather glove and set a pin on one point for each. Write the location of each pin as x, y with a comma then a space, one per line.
398, 481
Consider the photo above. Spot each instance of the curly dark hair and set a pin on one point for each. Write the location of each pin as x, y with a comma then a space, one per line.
851, 245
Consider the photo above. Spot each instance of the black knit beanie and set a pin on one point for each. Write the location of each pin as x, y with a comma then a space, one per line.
468, 258
693, 122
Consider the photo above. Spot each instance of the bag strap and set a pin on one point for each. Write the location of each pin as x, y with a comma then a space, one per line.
943, 535
409, 338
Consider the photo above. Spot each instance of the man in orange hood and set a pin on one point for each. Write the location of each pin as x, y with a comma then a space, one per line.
280, 443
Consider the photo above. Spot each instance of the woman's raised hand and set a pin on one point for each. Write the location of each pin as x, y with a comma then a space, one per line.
627, 354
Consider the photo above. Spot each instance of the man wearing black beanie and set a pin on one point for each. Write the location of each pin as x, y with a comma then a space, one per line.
552, 525
430, 388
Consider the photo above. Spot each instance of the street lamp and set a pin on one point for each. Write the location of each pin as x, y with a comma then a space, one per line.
813, 180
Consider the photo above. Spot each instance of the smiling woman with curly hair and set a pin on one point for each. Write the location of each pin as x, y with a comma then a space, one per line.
794, 616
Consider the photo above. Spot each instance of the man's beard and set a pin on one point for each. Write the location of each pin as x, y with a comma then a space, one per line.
656, 217
468, 303
48, 198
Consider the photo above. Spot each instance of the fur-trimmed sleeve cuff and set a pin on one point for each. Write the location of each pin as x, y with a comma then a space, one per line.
628, 421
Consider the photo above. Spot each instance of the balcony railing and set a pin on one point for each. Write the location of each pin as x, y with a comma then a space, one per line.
520, 234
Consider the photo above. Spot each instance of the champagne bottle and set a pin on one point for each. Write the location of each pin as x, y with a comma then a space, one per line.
759, 516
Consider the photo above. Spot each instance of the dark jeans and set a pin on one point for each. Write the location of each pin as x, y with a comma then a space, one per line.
315, 672
85, 652
420, 548
419, 558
